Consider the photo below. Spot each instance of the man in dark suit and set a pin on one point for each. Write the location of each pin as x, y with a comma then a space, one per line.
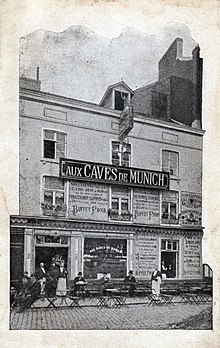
129, 282
31, 295
104, 283
79, 284
51, 280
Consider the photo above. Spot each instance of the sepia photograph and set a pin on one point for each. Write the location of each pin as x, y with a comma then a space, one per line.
109, 231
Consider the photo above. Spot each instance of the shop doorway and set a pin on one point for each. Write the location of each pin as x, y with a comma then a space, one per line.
46, 254
169, 259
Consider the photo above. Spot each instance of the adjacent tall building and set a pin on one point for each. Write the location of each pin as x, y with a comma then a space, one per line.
114, 186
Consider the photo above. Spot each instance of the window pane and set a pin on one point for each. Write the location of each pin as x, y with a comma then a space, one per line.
48, 197
49, 149
165, 213
124, 204
115, 203
59, 198
60, 150
49, 134
61, 137
173, 210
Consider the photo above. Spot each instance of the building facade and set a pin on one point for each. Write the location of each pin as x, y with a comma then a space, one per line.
107, 189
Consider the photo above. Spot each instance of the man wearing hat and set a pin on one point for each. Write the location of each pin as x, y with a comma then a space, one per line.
129, 282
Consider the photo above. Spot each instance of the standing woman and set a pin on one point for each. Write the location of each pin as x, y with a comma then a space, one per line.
155, 282
61, 283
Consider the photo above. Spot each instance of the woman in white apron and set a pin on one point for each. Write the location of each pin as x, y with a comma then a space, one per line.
155, 282
61, 283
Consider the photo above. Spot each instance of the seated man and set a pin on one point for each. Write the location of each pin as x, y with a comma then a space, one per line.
79, 284
130, 281
19, 295
32, 292
104, 283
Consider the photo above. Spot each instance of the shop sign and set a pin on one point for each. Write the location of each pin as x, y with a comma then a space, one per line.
88, 201
146, 255
146, 206
191, 209
126, 122
104, 173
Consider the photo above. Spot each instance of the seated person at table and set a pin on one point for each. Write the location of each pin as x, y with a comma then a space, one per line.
104, 283
129, 282
18, 296
32, 292
79, 283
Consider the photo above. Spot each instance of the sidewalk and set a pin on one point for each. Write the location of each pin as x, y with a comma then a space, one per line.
136, 316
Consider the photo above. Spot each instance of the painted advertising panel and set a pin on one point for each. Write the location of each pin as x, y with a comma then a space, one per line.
146, 255
191, 209
192, 257
88, 201
146, 206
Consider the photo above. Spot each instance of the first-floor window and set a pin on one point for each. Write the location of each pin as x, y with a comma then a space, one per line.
170, 206
53, 196
120, 204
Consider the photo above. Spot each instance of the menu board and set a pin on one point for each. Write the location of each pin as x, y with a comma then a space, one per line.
192, 257
88, 201
146, 255
146, 206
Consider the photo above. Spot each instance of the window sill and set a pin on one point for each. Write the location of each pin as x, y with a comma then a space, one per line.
49, 160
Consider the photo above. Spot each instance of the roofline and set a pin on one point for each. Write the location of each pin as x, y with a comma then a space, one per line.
62, 101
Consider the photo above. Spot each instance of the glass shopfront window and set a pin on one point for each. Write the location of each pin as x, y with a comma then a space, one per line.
105, 255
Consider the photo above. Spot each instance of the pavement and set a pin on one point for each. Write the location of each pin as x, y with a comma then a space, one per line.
137, 315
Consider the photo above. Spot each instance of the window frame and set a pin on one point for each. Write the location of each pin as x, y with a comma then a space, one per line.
117, 214
170, 221
52, 210
54, 159
168, 165
120, 152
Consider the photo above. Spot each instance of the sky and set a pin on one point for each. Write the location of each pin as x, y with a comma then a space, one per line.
81, 64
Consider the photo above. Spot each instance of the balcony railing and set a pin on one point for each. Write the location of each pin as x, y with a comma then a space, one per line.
170, 221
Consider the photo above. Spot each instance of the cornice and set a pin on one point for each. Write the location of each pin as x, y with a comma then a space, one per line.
92, 226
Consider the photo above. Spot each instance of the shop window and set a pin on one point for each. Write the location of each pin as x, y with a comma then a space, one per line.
170, 162
121, 154
53, 196
120, 204
105, 255
170, 206
54, 144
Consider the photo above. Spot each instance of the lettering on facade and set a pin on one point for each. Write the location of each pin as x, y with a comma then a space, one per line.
88, 171
192, 257
146, 255
146, 206
88, 201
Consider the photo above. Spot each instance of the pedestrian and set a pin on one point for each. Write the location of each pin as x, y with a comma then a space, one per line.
41, 276
61, 289
156, 278
130, 282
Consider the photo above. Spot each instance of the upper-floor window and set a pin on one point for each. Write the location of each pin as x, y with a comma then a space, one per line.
53, 196
120, 100
170, 206
170, 162
120, 204
121, 154
54, 144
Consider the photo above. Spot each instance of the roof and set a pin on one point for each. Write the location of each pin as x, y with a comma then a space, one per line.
111, 87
